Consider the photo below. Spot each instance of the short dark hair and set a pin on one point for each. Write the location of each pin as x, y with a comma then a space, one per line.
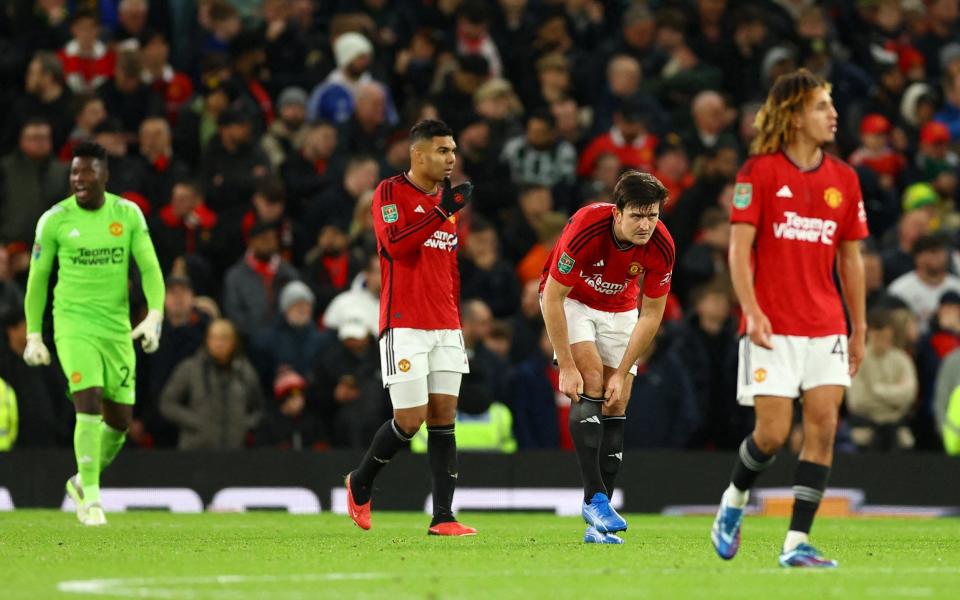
36, 122
272, 189
638, 188
193, 184
90, 150
429, 129
542, 114
878, 319
928, 243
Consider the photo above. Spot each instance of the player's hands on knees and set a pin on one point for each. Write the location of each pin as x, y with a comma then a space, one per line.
760, 330
36, 353
454, 198
149, 329
571, 383
613, 391
856, 348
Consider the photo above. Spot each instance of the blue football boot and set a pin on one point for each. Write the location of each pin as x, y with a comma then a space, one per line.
725, 534
601, 515
592, 536
806, 555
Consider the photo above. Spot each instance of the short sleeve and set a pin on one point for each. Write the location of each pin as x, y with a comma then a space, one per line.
855, 224
572, 248
746, 196
658, 275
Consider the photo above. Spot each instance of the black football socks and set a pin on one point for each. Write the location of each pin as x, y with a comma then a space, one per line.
751, 462
442, 452
611, 449
586, 430
809, 482
387, 441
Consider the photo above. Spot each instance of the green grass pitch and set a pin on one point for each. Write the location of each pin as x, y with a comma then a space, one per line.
47, 554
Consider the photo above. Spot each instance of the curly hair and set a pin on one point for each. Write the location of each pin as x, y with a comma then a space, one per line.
786, 99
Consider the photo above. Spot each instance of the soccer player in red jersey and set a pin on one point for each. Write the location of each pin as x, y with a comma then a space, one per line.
589, 289
422, 354
797, 213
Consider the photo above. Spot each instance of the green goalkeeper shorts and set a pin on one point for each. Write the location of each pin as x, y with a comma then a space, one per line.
97, 362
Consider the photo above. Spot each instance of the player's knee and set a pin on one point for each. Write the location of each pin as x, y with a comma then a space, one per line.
409, 422
88, 401
592, 382
771, 437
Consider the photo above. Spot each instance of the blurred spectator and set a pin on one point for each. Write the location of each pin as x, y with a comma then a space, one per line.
935, 162
522, 222
455, 98
290, 421
526, 324
161, 169
248, 60
663, 411
572, 120
598, 187
711, 121
32, 181
478, 156
629, 139
184, 329
535, 400
485, 383
882, 392
46, 98
949, 113
88, 63
197, 120
127, 97
483, 274
335, 205
131, 19
174, 88
285, 135
231, 164
360, 302
214, 396
310, 170
539, 158
287, 43
496, 102
347, 388
89, 112
875, 151
942, 339
530, 267
366, 130
672, 168
706, 260
44, 418
914, 224
126, 172
328, 266
252, 286
11, 295
269, 204
922, 288
707, 341
184, 226
473, 34
292, 339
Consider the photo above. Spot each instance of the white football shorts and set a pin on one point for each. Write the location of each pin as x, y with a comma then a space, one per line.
609, 331
408, 354
795, 364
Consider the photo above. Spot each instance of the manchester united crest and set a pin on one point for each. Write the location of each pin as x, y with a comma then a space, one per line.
833, 197
403, 365
760, 375
634, 269
116, 229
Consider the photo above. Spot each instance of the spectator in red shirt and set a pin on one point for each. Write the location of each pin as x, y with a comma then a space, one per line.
174, 87
875, 152
629, 139
87, 62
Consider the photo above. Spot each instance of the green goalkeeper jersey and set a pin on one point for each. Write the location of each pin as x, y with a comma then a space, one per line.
91, 298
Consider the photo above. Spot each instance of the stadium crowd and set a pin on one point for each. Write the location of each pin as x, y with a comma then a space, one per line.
253, 133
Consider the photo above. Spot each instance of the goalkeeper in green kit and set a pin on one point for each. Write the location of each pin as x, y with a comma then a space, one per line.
93, 234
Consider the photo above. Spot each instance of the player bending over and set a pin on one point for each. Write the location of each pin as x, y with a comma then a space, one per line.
589, 290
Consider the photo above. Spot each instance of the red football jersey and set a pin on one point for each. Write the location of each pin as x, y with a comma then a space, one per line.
418, 258
801, 216
603, 272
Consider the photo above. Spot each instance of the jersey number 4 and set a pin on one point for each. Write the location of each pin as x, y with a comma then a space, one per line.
838, 349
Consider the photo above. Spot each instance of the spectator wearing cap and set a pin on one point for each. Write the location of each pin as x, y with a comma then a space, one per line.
47, 97
32, 181
184, 328
214, 396
87, 62
539, 158
232, 163
175, 88
184, 226
334, 99
252, 285
285, 136
883, 391
629, 138
290, 421
127, 97
362, 300
292, 339
347, 388
672, 168
875, 152
44, 420
158, 164
935, 162
922, 288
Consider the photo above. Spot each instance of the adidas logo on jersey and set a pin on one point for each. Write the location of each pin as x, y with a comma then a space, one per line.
784, 192
598, 264
74, 233
419, 209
